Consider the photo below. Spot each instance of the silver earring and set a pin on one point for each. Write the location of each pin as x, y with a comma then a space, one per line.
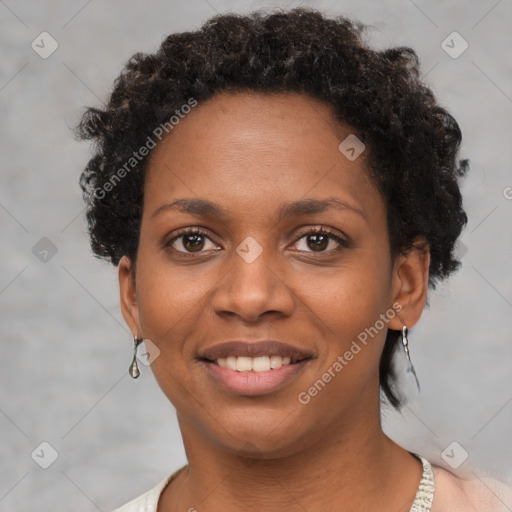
405, 343
134, 368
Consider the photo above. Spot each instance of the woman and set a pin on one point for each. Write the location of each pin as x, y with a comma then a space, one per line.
278, 198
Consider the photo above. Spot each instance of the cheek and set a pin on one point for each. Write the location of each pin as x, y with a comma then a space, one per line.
169, 300
349, 306
170, 303
165, 293
352, 296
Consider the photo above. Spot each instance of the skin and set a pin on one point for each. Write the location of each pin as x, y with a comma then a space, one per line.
249, 153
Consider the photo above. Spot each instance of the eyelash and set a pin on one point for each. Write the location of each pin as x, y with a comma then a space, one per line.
317, 230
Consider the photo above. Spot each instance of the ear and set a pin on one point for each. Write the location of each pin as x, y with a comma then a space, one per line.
128, 296
410, 284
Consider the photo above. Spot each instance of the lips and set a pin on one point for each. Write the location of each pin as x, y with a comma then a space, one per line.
251, 383
259, 368
238, 348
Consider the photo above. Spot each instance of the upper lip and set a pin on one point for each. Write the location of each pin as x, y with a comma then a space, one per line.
239, 348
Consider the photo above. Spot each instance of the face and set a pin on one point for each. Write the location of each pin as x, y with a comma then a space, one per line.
257, 227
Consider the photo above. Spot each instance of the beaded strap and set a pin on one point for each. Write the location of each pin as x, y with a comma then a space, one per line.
425, 493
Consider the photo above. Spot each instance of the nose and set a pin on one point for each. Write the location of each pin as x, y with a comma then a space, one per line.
254, 286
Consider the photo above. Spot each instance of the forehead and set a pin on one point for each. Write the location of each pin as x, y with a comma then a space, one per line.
243, 119
259, 147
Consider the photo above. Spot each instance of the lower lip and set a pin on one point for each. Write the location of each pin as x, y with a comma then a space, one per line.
254, 383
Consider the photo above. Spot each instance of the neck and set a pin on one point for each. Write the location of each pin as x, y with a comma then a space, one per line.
356, 468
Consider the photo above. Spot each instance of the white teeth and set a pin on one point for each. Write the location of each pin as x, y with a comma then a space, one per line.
276, 362
231, 362
256, 364
244, 364
261, 364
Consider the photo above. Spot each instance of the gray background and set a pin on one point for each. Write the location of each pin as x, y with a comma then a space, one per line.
64, 347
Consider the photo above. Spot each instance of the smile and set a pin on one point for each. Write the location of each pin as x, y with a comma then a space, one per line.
253, 383
254, 364
253, 368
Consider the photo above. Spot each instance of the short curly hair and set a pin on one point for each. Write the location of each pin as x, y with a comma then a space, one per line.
412, 141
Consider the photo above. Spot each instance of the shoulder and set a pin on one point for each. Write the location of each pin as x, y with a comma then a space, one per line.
454, 494
148, 502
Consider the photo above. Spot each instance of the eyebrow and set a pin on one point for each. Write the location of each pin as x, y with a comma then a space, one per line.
286, 210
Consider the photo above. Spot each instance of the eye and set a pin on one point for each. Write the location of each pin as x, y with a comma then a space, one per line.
195, 241
190, 241
318, 240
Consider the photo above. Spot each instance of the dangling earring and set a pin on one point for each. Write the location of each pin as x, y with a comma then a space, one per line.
134, 368
405, 343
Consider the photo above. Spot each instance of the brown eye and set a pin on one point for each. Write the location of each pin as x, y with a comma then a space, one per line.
317, 242
193, 243
319, 239
190, 241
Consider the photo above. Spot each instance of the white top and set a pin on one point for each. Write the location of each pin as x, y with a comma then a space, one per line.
148, 501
